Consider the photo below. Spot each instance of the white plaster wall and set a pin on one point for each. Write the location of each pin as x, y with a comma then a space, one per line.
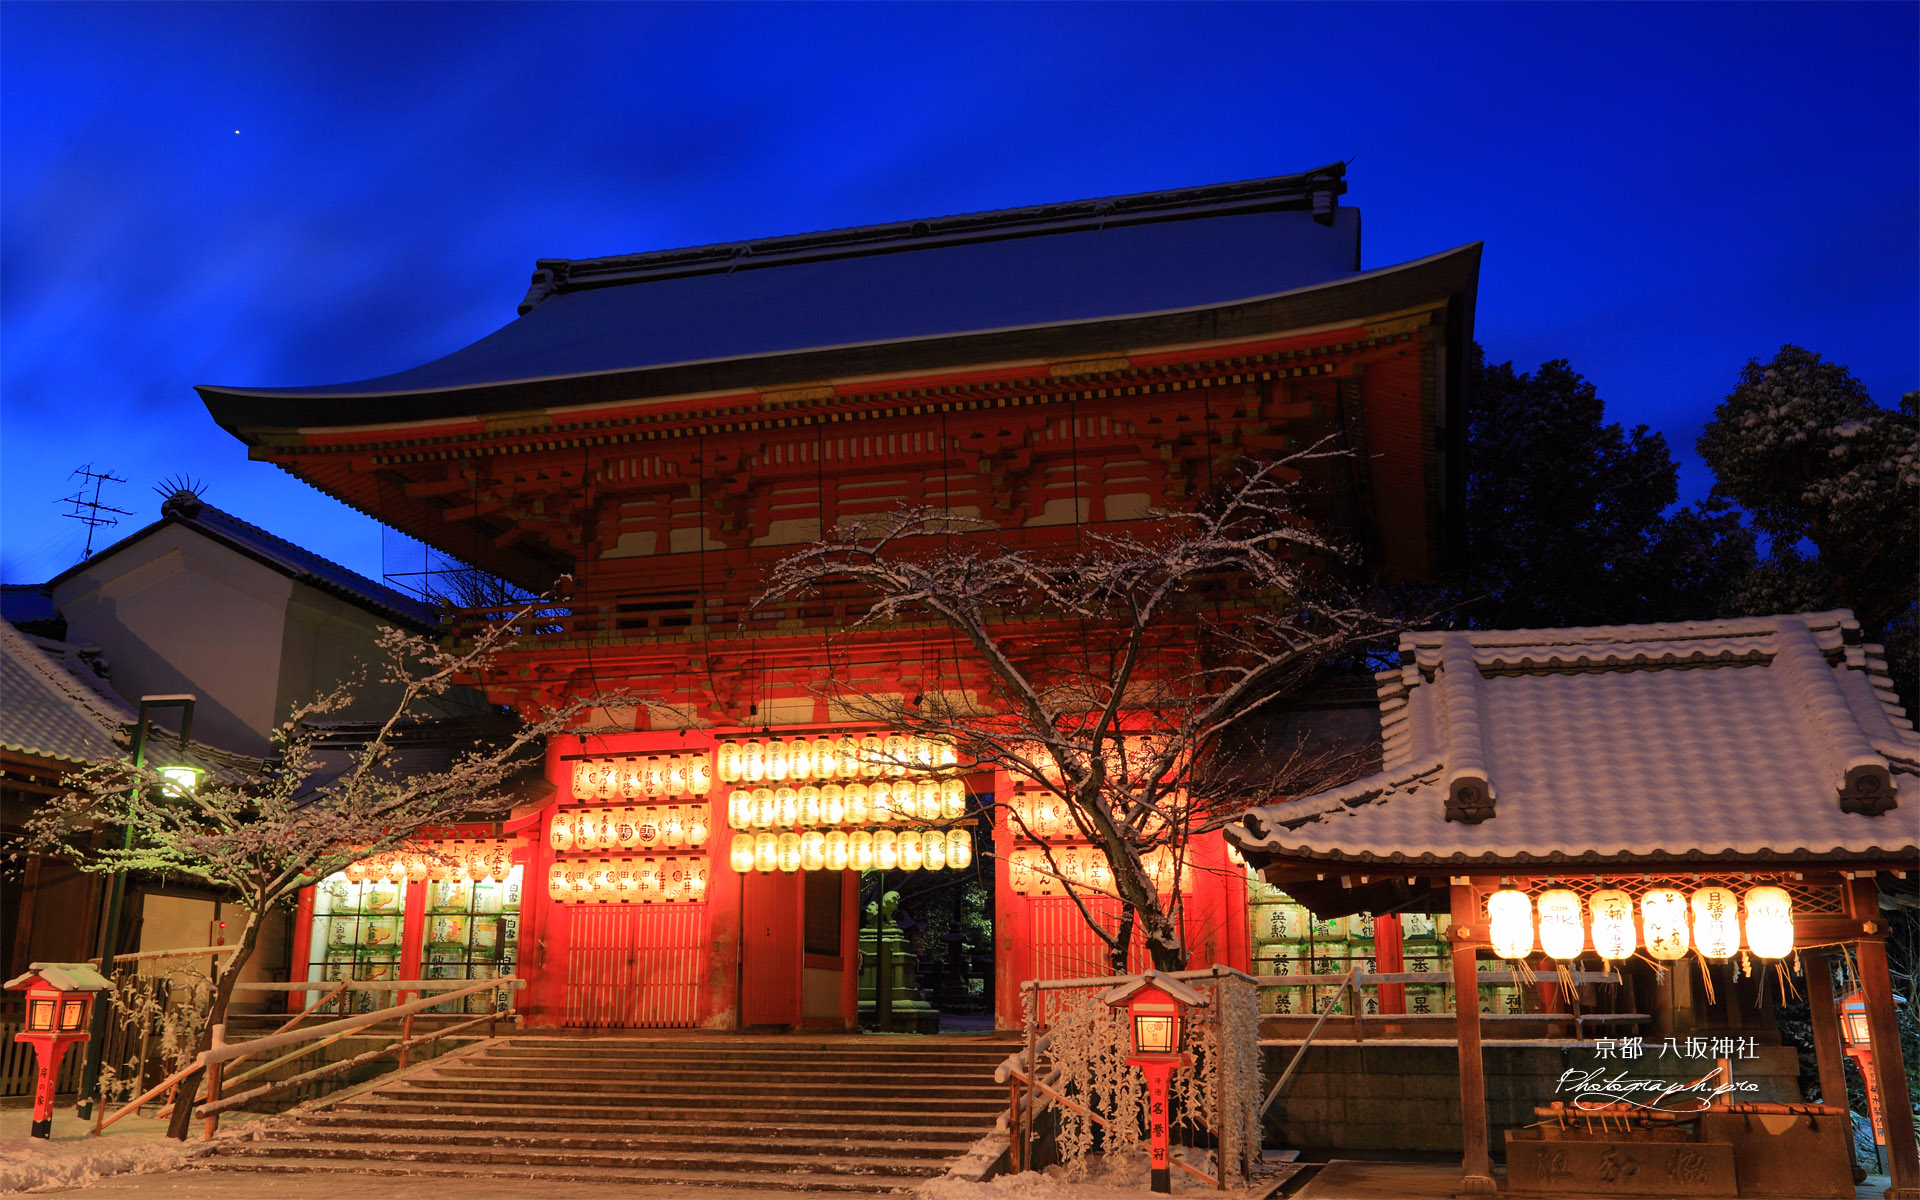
176, 612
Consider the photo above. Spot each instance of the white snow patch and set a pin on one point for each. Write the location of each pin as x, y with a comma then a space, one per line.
72, 1158
1109, 1177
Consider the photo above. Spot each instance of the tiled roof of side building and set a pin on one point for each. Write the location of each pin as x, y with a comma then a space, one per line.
296, 562
53, 707
904, 282
1750, 738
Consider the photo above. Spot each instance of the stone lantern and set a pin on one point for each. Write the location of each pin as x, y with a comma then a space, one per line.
1157, 1005
60, 999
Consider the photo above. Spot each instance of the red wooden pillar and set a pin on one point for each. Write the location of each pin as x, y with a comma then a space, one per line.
1469, 932
1828, 1053
1389, 953
1903, 1156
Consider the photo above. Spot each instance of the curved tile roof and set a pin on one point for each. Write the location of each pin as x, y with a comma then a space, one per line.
1714, 739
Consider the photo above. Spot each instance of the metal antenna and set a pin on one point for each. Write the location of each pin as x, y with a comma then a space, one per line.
88, 511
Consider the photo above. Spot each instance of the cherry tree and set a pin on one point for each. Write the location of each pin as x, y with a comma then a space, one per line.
315, 806
1119, 676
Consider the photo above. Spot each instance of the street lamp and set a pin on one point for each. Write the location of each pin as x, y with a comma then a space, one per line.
1156, 1009
181, 780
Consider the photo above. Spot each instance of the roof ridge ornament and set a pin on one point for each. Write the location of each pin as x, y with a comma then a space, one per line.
1860, 775
1469, 789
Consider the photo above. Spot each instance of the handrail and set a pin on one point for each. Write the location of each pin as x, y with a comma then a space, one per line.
220, 1054
214, 1108
1345, 983
1371, 978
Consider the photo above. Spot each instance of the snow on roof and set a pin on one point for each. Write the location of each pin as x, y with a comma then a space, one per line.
68, 977
296, 562
53, 706
1762, 737
1189, 996
48, 706
1011, 269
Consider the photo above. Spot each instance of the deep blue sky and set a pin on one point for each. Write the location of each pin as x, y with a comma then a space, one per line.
1664, 190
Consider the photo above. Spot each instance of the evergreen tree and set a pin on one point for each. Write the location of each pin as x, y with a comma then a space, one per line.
1567, 520
1833, 481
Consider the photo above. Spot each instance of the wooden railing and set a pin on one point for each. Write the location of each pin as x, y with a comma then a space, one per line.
1356, 1021
223, 1055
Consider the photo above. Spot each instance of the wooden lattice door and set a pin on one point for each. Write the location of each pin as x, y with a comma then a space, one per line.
635, 966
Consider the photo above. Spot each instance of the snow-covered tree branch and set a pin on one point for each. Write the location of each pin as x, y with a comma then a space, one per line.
1115, 675
317, 804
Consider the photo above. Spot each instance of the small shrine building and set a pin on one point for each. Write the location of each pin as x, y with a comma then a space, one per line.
1699, 807
663, 426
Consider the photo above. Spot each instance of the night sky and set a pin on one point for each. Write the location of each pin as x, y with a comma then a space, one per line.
284, 194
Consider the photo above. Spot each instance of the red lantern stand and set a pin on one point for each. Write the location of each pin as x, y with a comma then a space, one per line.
60, 998
1156, 1005
1857, 1038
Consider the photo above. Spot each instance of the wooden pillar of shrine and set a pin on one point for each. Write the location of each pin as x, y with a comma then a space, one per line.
1896, 1102
1828, 1054
1468, 933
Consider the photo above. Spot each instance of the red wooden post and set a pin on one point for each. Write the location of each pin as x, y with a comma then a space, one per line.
1889, 1072
1827, 1053
1389, 954
1157, 1070
1469, 930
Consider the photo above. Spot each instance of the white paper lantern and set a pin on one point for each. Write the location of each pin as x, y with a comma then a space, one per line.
927, 792
858, 810
788, 852
833, 805
673, 828
675, 766
753, 762
873, 756
1510, 923
860, 850
1663, 920
739, 808
766, 852
809, 805
826, 758
912, 854
740, 853
1716, 922
898, 756
880, 804
801, 764
836, 850
933, 850
1612, 913
699, 774
560, 835
697, 826
886, 850
1769, 922
697, 880
786, 807
763, 808
959, 849
582, 780
779, 760
729, 762
813, 846
1562, 935
557, 881
953, 799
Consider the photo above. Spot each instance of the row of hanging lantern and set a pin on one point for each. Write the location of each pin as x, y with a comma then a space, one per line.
670, 827
860, 850
1085, 868
637, 778
855, 804
1044, 816
1714, 929
835, 756
477, 861
667, 880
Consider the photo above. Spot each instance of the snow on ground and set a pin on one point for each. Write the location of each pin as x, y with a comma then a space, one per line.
1111, 1178
71, 1157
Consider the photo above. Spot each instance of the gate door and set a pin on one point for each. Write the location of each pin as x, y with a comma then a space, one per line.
635, 966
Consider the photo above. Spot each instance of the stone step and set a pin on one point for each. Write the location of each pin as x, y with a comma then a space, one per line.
581, 1083
951, 1135
832, 1144
733, 1162
721, 1070
391, 1103
735, 1183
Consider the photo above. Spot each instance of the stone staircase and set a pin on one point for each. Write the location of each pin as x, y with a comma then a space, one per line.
846, 1114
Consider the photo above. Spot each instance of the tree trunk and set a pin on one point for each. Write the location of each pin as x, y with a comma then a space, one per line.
1117, 952
216, 1015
